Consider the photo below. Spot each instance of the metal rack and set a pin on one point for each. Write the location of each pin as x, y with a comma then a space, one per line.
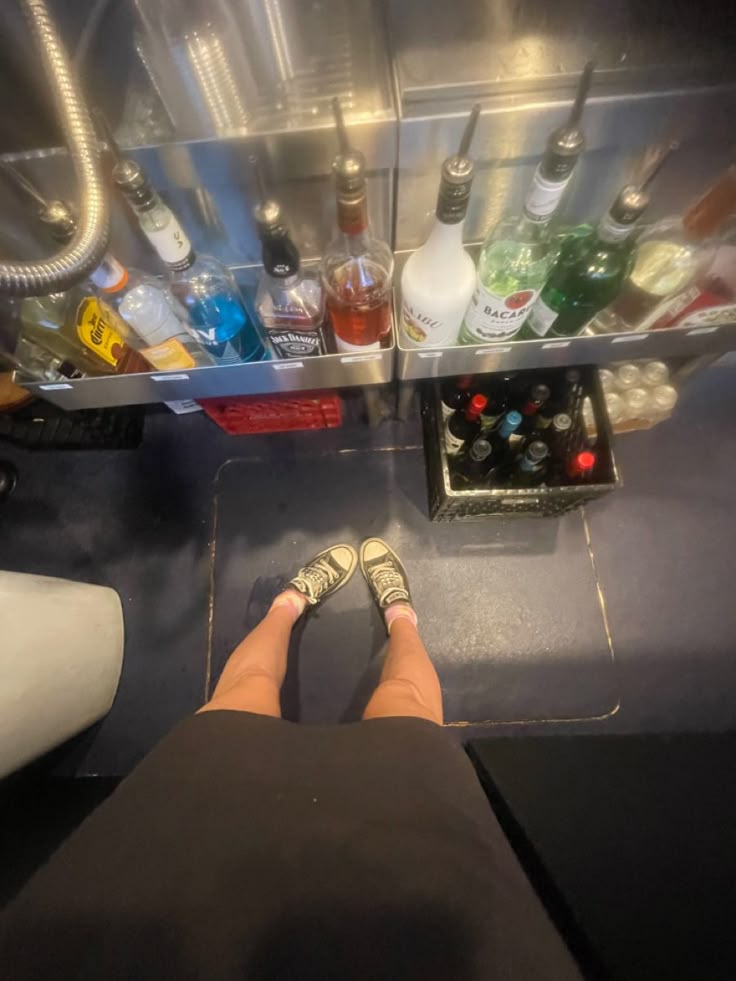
328, 371
685, 342
406, 117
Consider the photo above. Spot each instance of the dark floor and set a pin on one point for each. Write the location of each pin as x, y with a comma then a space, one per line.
630, 842
616, 619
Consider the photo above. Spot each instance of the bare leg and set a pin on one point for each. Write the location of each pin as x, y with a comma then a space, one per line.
251, 680
409, 684
252, 677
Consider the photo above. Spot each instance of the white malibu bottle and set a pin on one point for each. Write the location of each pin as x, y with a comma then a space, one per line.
439, 278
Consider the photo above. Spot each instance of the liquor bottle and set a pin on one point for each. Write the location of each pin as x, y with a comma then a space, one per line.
76, 327
669, 257
580, 466
517, 253
159, 323
559, 431
500, 437
157, 319
711, 299
357, 268
290, 303
42, 358
455, 394
438, 279
530, 467
203, 285
590, 269
537, 396
473, 465
464, 425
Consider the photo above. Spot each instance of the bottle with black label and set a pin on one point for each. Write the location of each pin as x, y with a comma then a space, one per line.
290, 303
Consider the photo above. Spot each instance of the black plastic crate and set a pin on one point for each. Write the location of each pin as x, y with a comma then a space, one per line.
449, 504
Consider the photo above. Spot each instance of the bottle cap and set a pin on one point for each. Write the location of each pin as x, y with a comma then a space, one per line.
628, 375
480, 450
539, 393
566, 143
655, 373
477, 404
128, 176
664, 398
513, 418
457, 177
561, 422
585, 460
349, 164
537, 451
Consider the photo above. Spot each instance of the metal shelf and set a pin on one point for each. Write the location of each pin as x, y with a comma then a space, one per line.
475, 359
265, 377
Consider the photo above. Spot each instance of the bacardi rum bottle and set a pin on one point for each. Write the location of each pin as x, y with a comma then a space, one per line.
517, 254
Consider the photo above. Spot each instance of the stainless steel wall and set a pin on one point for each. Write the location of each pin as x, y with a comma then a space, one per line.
664, 70
406, 71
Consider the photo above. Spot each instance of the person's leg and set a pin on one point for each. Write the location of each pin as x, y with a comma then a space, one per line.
409, 684
252, 677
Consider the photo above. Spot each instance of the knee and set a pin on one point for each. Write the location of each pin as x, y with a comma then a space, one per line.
401, 696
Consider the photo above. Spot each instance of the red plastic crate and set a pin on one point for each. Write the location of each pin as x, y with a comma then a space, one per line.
242, 414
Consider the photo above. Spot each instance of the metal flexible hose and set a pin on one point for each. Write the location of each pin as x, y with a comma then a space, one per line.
88, 245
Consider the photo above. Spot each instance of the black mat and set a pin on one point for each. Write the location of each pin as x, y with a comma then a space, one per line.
631, 842
508, 608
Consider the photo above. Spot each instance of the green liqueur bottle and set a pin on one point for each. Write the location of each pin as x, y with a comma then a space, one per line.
518, 252
591, 268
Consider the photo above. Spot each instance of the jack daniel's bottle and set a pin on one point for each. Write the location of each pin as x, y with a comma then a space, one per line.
290, 304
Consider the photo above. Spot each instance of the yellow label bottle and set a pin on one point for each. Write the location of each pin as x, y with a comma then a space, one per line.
97, 328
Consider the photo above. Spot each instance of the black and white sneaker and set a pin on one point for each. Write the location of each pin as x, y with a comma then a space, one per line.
384, 573
325, 573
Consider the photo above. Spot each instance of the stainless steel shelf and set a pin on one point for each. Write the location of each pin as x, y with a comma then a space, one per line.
266, 377
474, 359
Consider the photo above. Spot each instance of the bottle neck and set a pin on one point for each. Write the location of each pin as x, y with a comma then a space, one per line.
280, 257
612, 232
352, 215
110, 276
507, 427
544, 196
162, 229
444, 238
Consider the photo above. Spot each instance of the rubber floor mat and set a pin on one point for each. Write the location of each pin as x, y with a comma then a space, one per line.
508, 608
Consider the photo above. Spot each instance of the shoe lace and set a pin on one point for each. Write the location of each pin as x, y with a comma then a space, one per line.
320, 574
387, 576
